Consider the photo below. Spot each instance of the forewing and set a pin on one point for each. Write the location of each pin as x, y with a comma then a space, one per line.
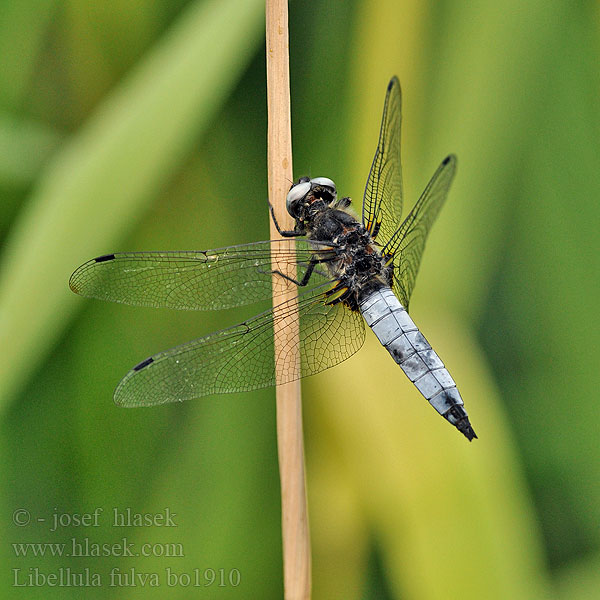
203, 280
382, 203
242, 357
407, 244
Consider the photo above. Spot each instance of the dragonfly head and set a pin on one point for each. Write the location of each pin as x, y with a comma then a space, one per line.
309, 195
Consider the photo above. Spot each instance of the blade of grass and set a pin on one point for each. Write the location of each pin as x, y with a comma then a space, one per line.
25, 146
94, 189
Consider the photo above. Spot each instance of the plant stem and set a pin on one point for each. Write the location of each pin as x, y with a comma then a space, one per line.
294, 513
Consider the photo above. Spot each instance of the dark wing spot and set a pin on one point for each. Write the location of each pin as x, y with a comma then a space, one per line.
143, 364
105, 257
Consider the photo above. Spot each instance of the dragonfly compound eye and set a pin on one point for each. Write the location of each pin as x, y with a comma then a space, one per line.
326, 185
324, 182
295, 197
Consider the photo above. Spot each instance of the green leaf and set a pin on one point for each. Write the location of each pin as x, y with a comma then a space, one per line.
111, 169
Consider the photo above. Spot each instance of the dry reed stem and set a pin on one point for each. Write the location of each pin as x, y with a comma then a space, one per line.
294, 513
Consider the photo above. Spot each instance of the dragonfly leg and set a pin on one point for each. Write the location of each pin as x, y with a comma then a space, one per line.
309, 271
389, 273
343, 202
296, 232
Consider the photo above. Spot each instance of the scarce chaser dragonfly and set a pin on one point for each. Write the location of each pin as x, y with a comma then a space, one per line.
348, 271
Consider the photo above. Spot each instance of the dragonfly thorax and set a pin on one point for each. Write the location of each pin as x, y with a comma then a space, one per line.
359, 266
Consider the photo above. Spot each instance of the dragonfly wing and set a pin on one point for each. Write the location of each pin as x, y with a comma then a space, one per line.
206, 280
407, 244
242, 357
382, 202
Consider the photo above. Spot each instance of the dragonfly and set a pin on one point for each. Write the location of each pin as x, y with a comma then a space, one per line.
348, 270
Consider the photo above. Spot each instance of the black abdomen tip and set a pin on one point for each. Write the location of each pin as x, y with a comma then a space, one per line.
459, 418
464, 426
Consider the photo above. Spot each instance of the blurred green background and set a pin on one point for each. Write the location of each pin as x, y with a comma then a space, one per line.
137, 125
